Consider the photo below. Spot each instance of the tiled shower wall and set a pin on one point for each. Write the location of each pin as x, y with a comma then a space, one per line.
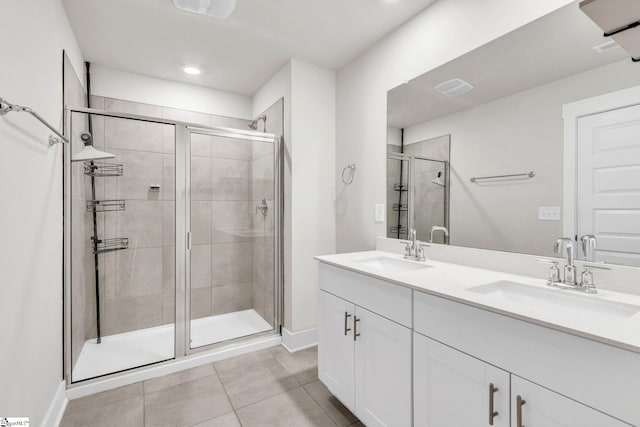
232, 255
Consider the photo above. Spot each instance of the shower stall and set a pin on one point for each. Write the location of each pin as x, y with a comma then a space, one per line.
172, 245
417, 196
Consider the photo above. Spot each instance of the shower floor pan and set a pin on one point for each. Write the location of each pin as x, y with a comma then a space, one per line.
145, 346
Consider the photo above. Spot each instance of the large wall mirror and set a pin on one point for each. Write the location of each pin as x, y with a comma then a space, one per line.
531, 137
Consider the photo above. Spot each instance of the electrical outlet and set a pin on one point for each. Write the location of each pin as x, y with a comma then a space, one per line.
549, 213
379, 212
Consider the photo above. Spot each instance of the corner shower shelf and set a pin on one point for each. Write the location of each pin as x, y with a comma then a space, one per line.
398, 207
110, 245
103, 169
401, 230
399, 187
105, 205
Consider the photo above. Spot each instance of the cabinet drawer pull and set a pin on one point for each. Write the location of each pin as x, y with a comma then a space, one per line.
355, 328
346, 317
519, 404
492, 412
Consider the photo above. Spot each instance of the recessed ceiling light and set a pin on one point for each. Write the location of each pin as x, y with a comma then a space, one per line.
216, 8
192, 70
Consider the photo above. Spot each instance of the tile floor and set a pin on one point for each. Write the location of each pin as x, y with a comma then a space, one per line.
267, 388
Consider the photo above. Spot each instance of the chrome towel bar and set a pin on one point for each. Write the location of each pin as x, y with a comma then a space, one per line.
515, 175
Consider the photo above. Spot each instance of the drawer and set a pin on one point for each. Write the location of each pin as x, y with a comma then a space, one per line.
386, 299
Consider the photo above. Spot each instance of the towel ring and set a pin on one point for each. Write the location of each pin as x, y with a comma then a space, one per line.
351, 169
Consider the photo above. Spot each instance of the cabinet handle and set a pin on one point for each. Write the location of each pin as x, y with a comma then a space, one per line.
519, 404
492, 413
355, 328
346, 316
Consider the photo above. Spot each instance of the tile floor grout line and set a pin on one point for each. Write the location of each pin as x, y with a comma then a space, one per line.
266, 398
320, 406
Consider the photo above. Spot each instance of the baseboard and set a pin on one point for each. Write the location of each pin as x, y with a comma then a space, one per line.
296, 341
56, 409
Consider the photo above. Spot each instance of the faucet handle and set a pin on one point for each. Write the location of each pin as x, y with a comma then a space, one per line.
597, 267
554, 271
586, 278
407, 248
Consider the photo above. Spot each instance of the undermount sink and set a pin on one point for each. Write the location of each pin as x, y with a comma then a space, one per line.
563, 302
391, 265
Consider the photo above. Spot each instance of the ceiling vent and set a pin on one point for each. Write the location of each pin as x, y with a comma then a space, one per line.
216, 8
606, 46
453, 87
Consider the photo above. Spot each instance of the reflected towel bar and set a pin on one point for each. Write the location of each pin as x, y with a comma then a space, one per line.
6, 107
516, 175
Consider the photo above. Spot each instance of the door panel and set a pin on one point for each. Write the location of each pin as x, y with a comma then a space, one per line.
544, 408
336, 347
453, 389
608, 204
382, 371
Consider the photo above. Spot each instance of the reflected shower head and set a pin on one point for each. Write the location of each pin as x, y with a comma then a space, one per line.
254, 124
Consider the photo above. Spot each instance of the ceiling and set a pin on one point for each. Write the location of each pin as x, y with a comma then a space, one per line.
237, 54
553, 47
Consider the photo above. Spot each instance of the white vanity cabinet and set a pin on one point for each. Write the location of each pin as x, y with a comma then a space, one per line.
451, 388
454, 389
569, 381
534, 406
364, 358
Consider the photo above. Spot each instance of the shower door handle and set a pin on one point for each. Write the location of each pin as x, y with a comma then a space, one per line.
188, 240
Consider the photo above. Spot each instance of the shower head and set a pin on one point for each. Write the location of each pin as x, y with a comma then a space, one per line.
439, 179
254, 124
88, 152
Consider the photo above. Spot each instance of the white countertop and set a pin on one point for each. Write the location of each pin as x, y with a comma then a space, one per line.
453, 281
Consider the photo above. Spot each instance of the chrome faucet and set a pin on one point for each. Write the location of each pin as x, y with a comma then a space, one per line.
414, 250
437, 228
589, 243
570, 268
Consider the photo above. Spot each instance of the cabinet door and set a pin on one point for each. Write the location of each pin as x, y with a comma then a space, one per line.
383, 371
336, 347
454, 389
540, 407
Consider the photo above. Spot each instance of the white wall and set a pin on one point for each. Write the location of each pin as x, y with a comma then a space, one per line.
444, 31
112, 83
514, 134
312, 193
35, 33
309, 162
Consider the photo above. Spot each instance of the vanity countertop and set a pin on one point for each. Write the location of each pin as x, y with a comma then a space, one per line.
615, 319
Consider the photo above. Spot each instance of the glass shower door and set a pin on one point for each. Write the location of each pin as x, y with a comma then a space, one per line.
231, 286
120, 243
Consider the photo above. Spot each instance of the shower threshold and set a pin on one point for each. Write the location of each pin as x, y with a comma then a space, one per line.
146, 346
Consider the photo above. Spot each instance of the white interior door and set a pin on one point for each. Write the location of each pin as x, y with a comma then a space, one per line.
608, 172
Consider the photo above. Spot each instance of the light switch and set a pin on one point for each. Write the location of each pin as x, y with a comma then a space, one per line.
549, 213
379, 212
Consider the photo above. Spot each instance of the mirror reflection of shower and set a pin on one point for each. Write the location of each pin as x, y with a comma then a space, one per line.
254, 124
439, 180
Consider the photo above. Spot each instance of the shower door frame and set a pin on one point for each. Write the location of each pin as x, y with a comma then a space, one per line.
411, 166
278, 308
182, 224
